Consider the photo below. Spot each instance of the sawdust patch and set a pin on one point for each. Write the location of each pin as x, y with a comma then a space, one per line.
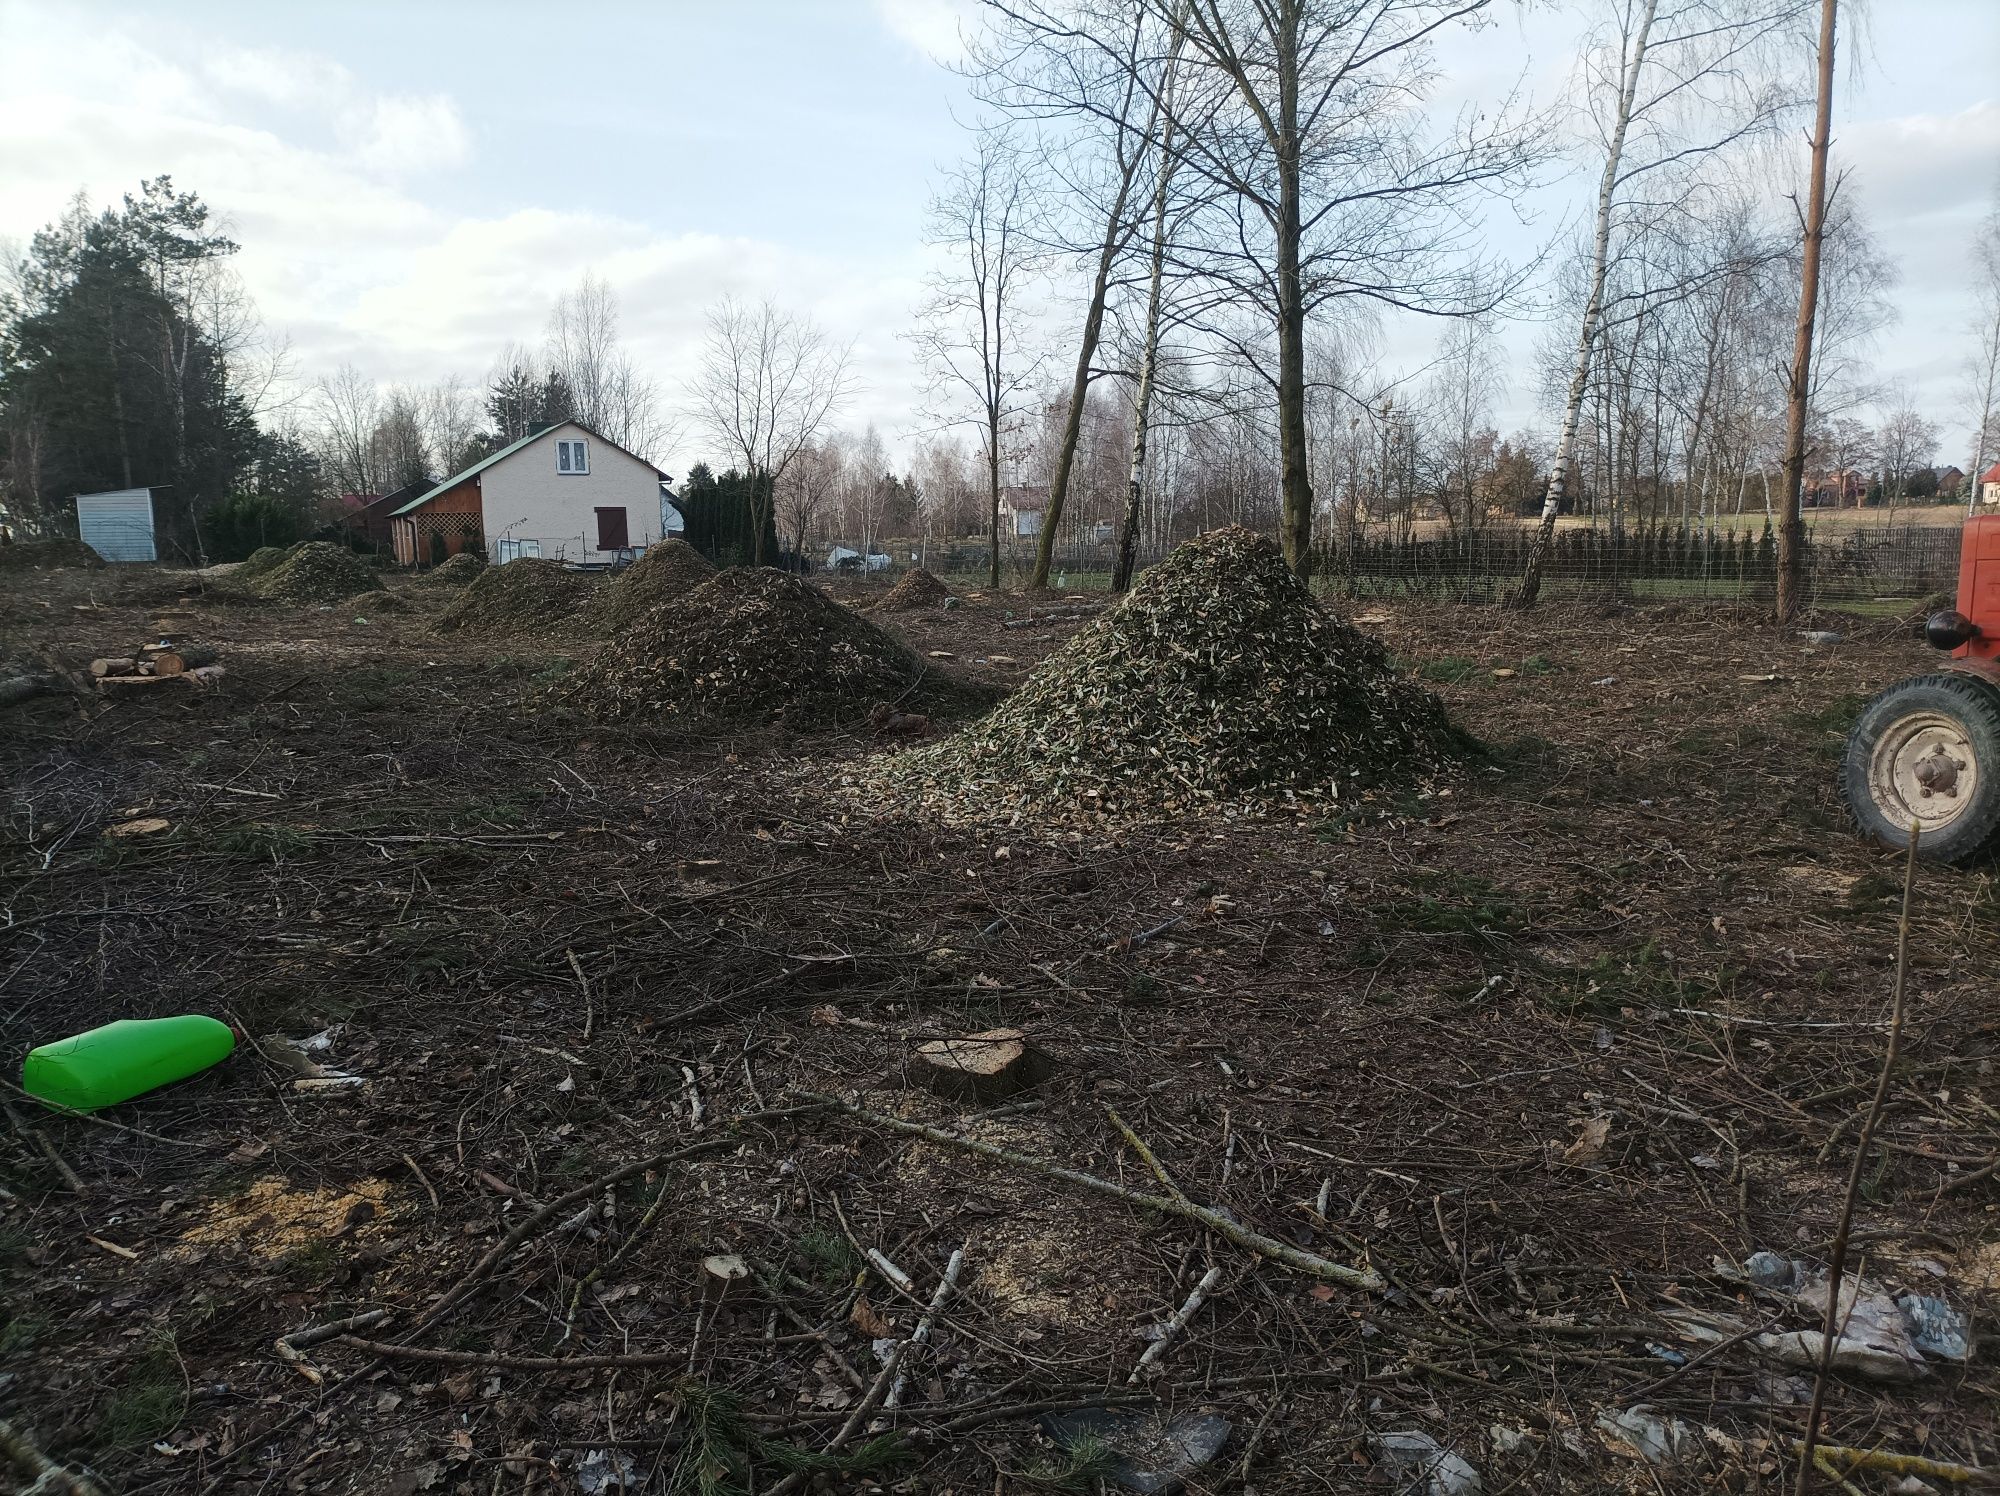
272, 1219
1042, 1270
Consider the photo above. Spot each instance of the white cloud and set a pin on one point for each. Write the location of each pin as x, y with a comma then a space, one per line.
405, 134
934, 27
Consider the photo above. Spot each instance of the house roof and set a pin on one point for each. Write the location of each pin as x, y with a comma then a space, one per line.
1024, 500
508, 451
1991, 475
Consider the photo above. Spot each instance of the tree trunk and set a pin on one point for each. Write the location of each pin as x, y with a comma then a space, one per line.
993, 492
1791, 527
1142, 405
1079, 389
1593, 309
1295, 524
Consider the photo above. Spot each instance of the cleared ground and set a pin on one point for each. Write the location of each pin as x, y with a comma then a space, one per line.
1548, 1050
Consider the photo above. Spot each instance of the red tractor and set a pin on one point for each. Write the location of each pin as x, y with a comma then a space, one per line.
1927, 751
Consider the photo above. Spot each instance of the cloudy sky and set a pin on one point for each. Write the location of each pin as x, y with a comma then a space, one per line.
414, 181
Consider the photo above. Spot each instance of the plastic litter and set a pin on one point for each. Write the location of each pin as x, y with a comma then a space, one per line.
128, 1058
1937, 1328
1424, 1467
1150, 1451
1648, 1436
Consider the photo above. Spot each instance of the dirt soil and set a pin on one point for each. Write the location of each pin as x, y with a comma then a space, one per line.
1550, 1053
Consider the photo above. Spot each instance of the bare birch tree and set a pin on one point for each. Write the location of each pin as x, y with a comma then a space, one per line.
768, 384
1077, 64
606, 389
972, 336
1669, 85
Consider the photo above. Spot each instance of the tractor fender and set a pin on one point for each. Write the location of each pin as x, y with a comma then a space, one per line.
1981, 670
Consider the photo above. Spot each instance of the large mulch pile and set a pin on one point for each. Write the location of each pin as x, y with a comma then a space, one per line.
47, 555
523, 597
260, 562
315, 572
454, 571
1219, 681
756, 646
669, 570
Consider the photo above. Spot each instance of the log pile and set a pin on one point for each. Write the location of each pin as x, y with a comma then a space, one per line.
156, 664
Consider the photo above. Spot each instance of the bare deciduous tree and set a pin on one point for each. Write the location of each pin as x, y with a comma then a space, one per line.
1669, 90
606, 390
769, 382
1332, 182
1798, 383
972, 334
1982, 370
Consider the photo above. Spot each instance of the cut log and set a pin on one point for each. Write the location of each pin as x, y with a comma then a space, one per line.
102, 668
982, 1068
180, 660
130, 682
204, 675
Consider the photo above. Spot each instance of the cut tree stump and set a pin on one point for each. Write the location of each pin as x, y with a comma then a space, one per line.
983, 1068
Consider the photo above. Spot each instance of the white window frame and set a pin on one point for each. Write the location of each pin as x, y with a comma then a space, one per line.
515, 550
572, 458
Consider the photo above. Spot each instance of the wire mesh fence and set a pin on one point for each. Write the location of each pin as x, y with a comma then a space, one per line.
1851, 563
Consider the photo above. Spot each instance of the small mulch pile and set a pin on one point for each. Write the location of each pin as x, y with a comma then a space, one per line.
48, 555
756, 646
454, 571
669, 570
916, 589
316, 572
529, 596
1219, 682
369, 604
260, 562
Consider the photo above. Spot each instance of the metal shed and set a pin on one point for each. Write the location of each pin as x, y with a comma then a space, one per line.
117, 524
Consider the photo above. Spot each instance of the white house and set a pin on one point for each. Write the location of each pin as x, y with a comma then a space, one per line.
563, 493
1989, 485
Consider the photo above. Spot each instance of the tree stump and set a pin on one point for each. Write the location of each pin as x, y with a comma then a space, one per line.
983, 1068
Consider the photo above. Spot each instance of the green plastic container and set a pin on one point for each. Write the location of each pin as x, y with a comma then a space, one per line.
124, 1059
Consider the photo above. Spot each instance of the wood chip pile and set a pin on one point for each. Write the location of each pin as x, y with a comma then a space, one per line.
453, 571
1219, 682
47, 555
755, 646
915, 589
529, 596
316, 572
670, 569
261, 562
369, 604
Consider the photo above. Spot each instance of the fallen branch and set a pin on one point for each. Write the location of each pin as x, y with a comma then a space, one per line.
1195, 1299
1365, 1279
1837, 1264
1899, 1464
923, 1329
49, 1477
500, 1361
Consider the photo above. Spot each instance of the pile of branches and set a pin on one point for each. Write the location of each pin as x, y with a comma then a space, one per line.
670, 569
48, 555
1219, 682
315, 572
523, 597
916, 589
756, 647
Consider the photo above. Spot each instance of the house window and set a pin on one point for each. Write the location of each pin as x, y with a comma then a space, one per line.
571, 457
611, 532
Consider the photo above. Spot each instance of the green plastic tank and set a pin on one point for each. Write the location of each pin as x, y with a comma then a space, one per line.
124, 1059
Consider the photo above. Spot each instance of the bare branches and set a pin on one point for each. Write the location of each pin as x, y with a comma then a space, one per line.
769, 383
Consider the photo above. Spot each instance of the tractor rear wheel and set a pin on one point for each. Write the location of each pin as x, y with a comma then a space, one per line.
1928, 751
